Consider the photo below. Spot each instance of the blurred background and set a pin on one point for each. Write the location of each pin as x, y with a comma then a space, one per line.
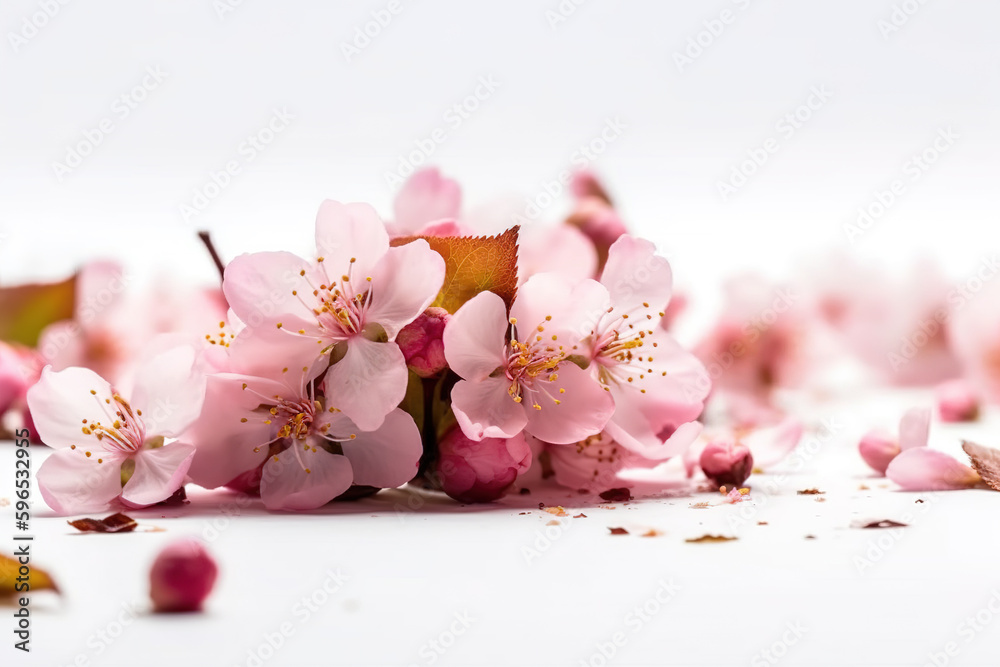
737, 134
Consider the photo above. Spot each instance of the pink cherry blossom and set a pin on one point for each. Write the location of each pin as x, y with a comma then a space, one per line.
925, 469
658, 387
347, 307
974, 336
101, 438
594, 464
530, 381
878, 449
312, 452
768, 445
426, 197
479, 472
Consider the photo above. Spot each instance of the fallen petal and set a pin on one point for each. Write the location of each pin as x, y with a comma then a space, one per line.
923, 469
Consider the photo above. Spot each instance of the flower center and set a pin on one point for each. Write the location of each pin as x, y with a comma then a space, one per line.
617, 343
339, 306
531, 364
120, 428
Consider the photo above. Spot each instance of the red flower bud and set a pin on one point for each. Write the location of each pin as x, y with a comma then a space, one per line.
726, 463
182, 577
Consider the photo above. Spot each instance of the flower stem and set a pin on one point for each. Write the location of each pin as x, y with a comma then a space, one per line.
207, 240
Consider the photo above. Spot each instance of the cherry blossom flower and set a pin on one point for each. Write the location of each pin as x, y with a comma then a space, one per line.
101, 439
530, 381
658, 387
957, 401
346, 308
311, 451
878, 449
594, 464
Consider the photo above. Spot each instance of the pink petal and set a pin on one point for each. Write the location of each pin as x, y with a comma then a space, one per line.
100, 282
686, 381
225, 445
169, 391
286, 484
562, 249
634, 274
474, 337
259, 289
388, 457
772, 444
368, 383
914, 428
650, 448
70, 482
545, 295
583, 410
60, 401
404, 283
425, 197
484, 409
349, 231
878, 450
159, 472
266, 350
925, 469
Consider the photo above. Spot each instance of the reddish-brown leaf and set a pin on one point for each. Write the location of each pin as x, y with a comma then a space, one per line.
710, 538
618, 531
474, 264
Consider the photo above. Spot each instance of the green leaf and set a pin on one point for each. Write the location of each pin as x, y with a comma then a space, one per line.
27, 309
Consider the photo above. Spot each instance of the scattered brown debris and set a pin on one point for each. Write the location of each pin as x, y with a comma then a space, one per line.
884, 523
553, 523
618, 531
557, 511
810, 492
810, 537
700, 506
821, 500
762, 523
522, 513
581, 515
616, 495
652, 532
710, 538
863, 487
116, 523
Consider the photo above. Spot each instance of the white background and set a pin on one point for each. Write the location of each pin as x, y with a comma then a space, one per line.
687, 128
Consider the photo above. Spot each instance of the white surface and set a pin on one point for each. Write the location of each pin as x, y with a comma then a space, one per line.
410, 572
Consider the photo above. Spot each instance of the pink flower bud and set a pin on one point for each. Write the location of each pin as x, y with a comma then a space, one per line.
182, 577
479, 472
957, 402
878, 450
726, 463
421, 343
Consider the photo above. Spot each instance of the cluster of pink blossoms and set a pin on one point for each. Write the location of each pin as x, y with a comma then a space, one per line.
358, 369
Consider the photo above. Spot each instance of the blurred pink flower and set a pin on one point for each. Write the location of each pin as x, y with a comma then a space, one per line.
879, 449
529, 382
768, 445
102, 439
479, 471
957, 401
320, 452
594, 463
347, 308
974, 334
426, 197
